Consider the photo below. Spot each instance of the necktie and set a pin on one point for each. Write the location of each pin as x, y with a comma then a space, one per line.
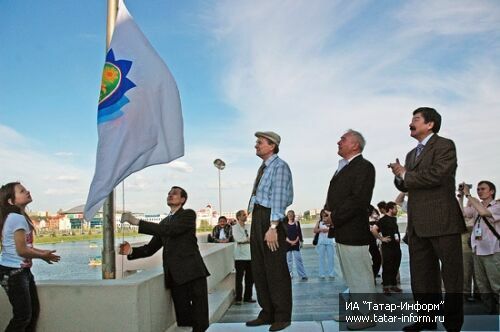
260, 172
420, 147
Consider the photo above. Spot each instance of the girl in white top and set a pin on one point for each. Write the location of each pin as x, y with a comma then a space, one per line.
324, 248
17, 252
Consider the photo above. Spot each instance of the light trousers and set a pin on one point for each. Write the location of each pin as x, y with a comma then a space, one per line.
356, 265
326, 254
294, 255
487, 271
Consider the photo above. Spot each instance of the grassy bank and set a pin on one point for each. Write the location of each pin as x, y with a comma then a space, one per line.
57, 238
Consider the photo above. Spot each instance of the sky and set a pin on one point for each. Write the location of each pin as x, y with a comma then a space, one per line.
308, 70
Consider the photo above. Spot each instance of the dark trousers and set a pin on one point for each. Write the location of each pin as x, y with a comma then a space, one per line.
191, 304
425, 257
391, 252
243, 268
23, 297
376, 258
270, 270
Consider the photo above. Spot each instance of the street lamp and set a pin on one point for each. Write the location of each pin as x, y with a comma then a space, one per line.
220, 166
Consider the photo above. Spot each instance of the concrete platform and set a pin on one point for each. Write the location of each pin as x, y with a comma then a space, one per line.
316, 300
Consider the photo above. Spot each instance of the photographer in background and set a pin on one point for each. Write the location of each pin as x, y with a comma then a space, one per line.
471, 292
485, 240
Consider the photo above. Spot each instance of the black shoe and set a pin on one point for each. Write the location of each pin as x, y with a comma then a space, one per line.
278, 326
420, 327
250, 301
257, 322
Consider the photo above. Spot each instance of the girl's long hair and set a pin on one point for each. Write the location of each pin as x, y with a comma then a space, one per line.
321, 215
8, 191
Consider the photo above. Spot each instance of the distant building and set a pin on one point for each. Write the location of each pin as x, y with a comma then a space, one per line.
206, 214
53, 222
312, 213
75, 216
64, 224
211, 216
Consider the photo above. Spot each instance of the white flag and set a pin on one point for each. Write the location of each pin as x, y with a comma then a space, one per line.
139, 113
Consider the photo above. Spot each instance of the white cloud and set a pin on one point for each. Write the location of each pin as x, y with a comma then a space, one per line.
180, 166
290, 69
67, 178
64, 154
309, 71
23, 160
449, 17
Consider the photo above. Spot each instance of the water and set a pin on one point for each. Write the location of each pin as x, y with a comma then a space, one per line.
74, 260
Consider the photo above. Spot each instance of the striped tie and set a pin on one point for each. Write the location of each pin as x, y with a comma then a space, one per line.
257, 179
420, 147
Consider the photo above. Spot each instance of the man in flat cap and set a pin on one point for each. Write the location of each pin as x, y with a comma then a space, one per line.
272, 193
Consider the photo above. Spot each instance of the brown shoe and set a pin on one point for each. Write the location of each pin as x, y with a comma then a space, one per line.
278, 326
396, 289
387, 291
257, 322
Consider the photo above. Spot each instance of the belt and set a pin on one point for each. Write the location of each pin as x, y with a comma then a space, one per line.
258, 206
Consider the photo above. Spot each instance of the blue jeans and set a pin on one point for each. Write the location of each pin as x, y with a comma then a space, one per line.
21, 290
326, 258
294, 255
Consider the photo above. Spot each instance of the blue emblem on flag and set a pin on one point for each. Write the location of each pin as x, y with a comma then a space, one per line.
114, 84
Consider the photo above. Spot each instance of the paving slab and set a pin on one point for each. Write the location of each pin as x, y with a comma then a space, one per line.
294, 327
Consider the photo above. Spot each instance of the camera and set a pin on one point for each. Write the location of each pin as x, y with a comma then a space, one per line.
461, 186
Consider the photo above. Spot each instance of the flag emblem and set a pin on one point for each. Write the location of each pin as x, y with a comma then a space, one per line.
114, 85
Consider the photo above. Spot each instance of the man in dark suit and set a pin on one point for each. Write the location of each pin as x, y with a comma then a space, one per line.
184, 269
347, 205
435, 221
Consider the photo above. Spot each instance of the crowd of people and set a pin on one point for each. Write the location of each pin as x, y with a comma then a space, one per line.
350, 232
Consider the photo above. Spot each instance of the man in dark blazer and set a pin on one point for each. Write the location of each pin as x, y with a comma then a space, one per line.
347, 205
184, 269
435, 221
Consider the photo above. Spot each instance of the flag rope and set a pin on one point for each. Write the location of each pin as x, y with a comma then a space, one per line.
123, 231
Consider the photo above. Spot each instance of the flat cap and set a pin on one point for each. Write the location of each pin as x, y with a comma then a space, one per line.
270, 135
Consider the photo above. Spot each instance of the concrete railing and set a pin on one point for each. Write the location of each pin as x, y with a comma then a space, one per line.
138, 302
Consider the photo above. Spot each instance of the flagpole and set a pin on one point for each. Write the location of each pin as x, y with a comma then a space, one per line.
108, 216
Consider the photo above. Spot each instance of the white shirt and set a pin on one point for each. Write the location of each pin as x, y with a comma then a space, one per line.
489, 244
241, 250
323, 236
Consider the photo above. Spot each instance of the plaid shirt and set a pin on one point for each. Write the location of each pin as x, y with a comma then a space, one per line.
275, 190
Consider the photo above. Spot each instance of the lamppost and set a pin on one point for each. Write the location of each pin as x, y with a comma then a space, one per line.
220, 166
